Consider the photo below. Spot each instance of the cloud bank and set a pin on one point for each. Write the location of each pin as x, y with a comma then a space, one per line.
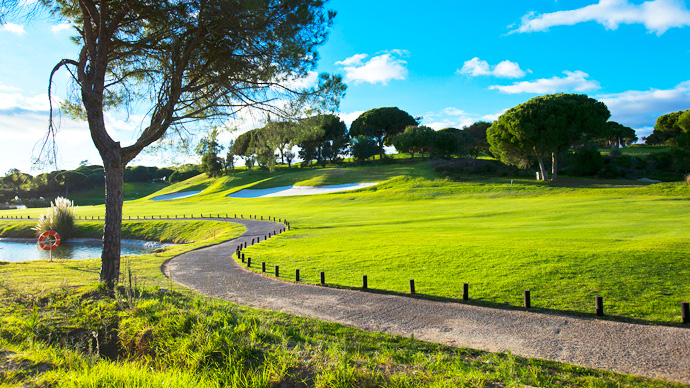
656, 15
574, 81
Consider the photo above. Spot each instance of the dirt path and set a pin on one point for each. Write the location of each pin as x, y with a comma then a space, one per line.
653, 351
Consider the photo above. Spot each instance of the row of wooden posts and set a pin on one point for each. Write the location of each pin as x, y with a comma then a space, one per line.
527, 296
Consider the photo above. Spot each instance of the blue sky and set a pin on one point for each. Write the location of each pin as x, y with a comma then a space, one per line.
452, 62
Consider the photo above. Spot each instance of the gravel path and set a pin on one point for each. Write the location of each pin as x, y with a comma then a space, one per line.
653, 351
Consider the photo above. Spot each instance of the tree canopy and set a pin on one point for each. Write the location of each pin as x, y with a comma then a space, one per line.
618, 135
181, 62
382, 124
545, 126
671, 129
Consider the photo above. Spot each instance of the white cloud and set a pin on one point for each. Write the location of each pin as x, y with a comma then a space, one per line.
308, 81
353, 60
449, 117
17, 29
494, 116
11, 101
348, 118
505, 69
656, 15
379, 69
640, 109
8, 88
576, 81
58, 28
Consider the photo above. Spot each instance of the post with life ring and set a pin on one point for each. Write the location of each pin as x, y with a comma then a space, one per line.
49, 240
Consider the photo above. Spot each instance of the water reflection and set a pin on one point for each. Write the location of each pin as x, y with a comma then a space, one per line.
13, 250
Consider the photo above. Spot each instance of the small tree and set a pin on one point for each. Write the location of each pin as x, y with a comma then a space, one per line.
477, 135
382, 124
209, 149
364, 147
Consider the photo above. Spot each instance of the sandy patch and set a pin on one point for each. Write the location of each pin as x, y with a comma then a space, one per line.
286, 191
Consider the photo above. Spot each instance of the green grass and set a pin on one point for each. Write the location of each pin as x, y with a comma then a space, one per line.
131, 192
566, 242
148, 337
153, 338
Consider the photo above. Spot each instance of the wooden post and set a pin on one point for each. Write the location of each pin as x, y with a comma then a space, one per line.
263, 266
245, 244
277, 271
297, 275
364, 282
465, 291
252, 241
323, 278
249, 261
528, 300
412, 286
685, 312
599, 303
243, 257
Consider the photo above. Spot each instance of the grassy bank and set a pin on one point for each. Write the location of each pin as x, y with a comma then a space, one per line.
162, 231
145, 336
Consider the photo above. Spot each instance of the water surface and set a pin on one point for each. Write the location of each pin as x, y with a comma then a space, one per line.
20, 249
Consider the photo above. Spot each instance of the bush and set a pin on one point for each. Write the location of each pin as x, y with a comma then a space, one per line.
60, 218
587, 162
687, 179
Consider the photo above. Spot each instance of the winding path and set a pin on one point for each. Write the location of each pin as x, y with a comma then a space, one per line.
653, 351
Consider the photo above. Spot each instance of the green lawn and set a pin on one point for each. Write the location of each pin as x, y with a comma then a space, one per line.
131, 192
566, 242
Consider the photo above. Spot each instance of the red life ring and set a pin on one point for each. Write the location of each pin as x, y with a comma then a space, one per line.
49, 240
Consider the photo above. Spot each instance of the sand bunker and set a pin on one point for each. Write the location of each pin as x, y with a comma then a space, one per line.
181, 194
286, 191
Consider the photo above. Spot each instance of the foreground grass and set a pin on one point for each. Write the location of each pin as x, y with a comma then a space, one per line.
82, 336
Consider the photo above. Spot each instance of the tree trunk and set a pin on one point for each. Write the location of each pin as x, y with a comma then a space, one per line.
544, 174
114, 182
554, 166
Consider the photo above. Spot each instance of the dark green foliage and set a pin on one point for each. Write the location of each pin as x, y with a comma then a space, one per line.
672, 129
476, 133
322, 138
446, 143
544, 126
457, 169
382, 124
209, 149
617, 135
587, 161
415, 139
363, 147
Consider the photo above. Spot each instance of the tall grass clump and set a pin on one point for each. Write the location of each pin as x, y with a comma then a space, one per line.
59, 218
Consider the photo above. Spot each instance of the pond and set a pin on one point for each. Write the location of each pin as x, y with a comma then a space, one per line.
21, 249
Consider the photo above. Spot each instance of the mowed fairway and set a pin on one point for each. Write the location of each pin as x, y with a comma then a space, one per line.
566, 244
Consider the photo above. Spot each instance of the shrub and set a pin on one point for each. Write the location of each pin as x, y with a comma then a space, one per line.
687, 179
587, 162
59, 218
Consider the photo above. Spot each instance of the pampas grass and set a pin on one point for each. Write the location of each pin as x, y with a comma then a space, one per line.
59, 218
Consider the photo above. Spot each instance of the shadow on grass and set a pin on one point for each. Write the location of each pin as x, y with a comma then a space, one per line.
487, 303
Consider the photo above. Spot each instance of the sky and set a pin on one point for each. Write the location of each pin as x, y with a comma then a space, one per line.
450, 62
